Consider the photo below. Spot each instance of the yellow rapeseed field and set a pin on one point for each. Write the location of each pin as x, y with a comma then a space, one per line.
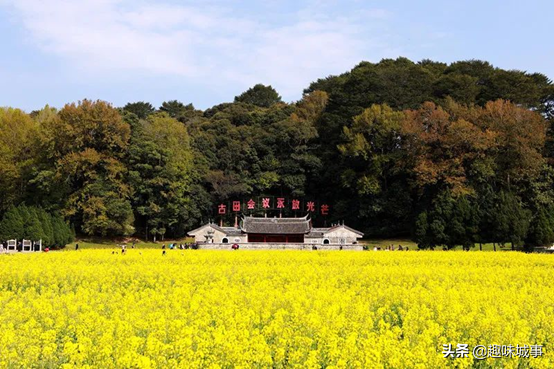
272, 308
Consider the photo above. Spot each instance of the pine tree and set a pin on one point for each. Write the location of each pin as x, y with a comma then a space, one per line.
511, 219
11, 226
542, 229
463, 226
46, 222
421, 229
57, 232
33, 227
63, 234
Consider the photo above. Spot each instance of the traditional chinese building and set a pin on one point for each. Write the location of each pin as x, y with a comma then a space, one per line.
276, 231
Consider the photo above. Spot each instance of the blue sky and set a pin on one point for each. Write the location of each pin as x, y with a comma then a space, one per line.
59, 51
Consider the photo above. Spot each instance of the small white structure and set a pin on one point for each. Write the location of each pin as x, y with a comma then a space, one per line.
12, 245
27, 245
335, 235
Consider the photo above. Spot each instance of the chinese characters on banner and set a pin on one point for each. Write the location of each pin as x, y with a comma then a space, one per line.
271, 203
266, 203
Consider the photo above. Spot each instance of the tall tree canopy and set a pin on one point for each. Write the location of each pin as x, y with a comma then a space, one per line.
17, 132
259, 95
87, 143
140, 108
160, 174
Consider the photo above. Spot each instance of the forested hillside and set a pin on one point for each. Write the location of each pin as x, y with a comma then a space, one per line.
447, 154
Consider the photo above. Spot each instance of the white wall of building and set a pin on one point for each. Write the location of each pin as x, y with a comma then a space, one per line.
218, 236
341, 236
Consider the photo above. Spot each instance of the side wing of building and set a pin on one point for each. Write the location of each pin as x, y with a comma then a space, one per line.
212, 233
336, 235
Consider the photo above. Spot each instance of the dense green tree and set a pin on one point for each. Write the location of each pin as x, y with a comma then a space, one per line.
510, 219
421, 231
63, 234
450, 222
32, 227
87, 143
541, 230
461, 87
140, 108
161, 174
259, 95
12, 225
17, 153
464, 223
45, 220
183, 113
370, 155
374, 141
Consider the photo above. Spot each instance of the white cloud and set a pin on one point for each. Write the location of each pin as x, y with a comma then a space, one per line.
295, 55
200, 43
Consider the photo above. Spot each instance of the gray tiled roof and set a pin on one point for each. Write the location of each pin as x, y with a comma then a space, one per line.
197, 229
231, 231
320, 232
317, 232
276, 225
348, 228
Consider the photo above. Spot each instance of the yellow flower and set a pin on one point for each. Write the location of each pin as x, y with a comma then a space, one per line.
272, 309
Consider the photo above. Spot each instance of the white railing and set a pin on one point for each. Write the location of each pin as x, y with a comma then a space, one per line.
26, 246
